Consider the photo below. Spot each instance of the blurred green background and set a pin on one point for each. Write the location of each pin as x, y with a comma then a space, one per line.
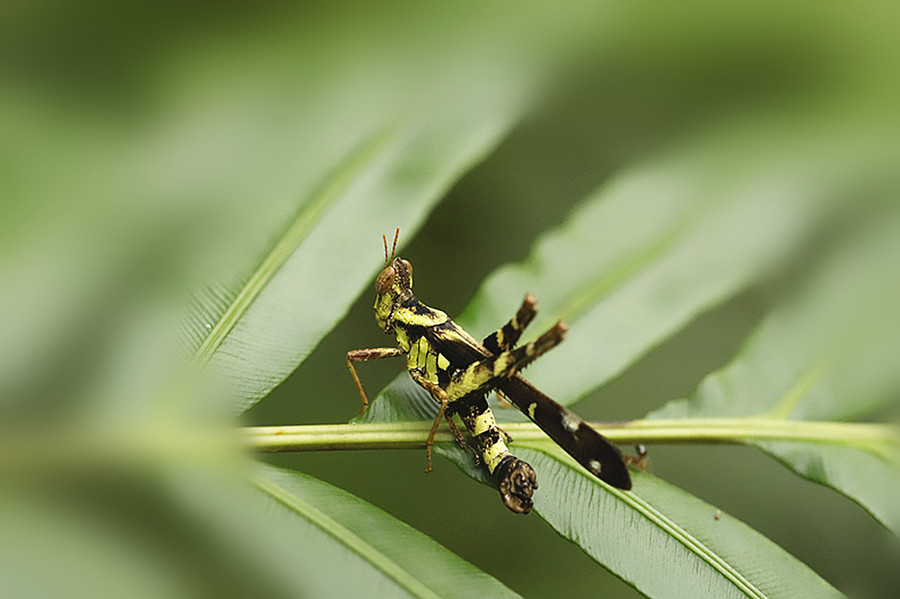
132, 136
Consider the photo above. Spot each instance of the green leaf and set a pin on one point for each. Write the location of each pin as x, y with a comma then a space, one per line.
250, 154
635, 263
866, 474
830, 354
664, 541
315, 540
52, 548
265, 326
254, 201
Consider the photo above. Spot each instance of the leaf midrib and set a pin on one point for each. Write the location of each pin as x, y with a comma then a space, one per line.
345, 536
299, 229
662, 522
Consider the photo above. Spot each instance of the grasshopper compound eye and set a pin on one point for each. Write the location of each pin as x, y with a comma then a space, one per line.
385, 280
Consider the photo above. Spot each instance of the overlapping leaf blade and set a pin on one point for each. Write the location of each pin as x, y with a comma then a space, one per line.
315, 267
829, 355
636, 262
676, 545
263, 192
317, 540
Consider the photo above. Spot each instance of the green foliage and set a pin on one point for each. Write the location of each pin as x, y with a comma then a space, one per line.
629, 268
794, 368
193, 208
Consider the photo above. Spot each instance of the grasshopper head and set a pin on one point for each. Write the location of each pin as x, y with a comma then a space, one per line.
392, 285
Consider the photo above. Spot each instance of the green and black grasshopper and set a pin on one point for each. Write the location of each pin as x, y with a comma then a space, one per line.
459, 373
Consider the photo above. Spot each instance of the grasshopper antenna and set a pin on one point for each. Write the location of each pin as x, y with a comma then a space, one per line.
394, 248
387, 260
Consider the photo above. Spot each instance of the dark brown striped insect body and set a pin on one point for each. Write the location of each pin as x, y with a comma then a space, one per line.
459, 373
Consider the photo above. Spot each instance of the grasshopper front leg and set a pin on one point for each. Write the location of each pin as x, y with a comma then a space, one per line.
363, 355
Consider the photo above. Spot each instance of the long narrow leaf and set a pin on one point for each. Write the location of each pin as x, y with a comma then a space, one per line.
315, 540
636, 262
664, 541
314, 268
831, 354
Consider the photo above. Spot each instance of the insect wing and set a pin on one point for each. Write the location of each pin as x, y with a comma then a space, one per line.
589, 448
455, 344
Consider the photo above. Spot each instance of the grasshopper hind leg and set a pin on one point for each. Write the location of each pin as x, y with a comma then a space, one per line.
491, 369
505, 338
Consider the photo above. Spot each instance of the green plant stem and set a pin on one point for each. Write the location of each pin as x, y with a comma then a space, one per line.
27, 450
680, 431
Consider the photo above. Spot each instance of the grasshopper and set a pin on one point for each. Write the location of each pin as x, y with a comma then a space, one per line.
459, 373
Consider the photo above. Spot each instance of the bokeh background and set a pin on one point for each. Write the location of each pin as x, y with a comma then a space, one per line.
132, 137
